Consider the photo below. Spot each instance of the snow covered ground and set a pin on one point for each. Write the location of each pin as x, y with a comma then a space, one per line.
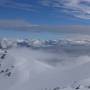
44, 65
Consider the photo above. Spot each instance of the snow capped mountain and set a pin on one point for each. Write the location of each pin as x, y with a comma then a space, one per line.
7, 43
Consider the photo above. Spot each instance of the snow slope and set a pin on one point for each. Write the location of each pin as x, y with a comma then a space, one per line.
50, 65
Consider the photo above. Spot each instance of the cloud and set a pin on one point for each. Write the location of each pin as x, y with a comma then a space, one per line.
81, 29
27, 25
76, 8
17, 5
16, 24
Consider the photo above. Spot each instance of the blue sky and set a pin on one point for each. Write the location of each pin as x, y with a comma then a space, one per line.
19, 17
46, 12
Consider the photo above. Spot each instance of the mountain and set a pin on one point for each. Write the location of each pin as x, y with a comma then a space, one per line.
5, 43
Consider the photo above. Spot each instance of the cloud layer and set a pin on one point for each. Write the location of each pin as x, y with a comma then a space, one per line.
15, 24
76, 8
16, 5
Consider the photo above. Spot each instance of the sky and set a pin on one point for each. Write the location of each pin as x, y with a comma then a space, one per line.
46, 12
54, 15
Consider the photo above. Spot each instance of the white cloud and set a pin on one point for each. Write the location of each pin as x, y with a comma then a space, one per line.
17, 5
45, 2
82, 9
77, 8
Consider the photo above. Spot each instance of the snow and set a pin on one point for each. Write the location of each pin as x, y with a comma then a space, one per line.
61, 67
